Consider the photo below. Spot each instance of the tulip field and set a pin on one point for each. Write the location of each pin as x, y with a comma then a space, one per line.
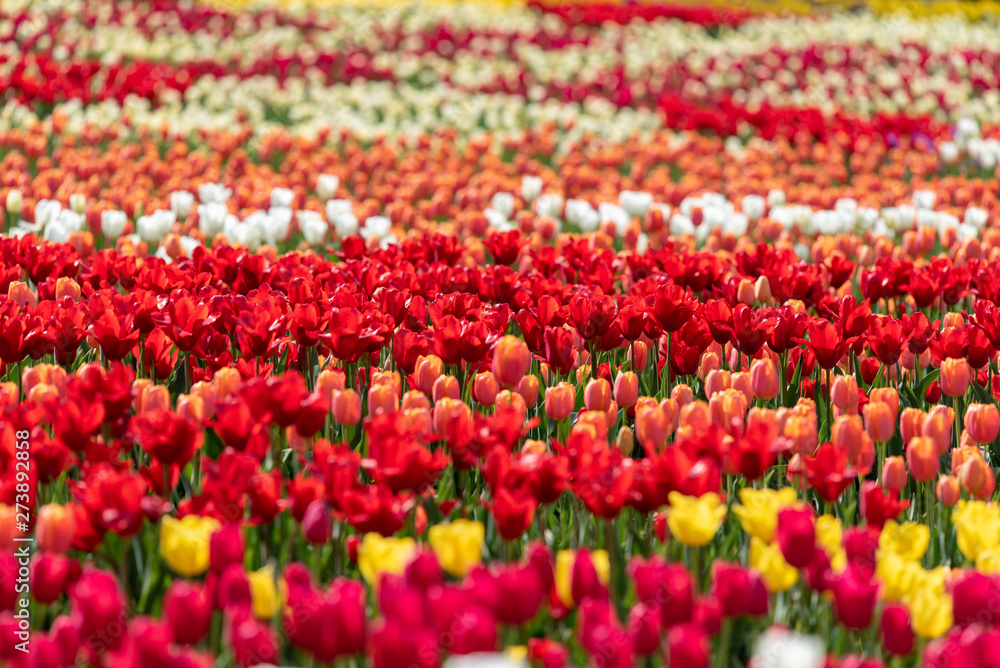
419, 334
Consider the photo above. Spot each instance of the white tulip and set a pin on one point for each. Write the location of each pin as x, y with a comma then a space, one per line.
209, 193
113, 224
278, 223
55, 232
775, 197
14, 202
282, 197
497, 220
338, 207
736, 224
550, 205
681, 225
504, 203
212, 218
642, 244
976, 217
314, 229
967, 232
70, 220
377, 226
46, 211
949, 152
347, 225
780, 648
753, 206
181, 203
581, 214
531, 187
484, 660
326, 186
153, 227
635, 203
924, 199
78, 203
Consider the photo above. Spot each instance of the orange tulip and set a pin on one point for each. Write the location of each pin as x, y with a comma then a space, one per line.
382, 399
528, 389
448, 409
651, 427
67, 287
954, 377
948, 490
227, 382
764, 379
717, 381
346, 407
55, 528
511, 360
911, 423
922, 459
560, 401
682, 394
847, 433
485, 388
879, 421
982, 421
444, 386
937, 427
597, 395
626, 389
977, 478
894, 474
888, 396
426, 371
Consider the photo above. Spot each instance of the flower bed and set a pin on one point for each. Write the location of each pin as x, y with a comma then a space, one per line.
602, 335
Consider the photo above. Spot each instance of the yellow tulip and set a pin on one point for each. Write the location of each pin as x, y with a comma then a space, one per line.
830, 537
899, 576
458, 546
988, 561
378, 555
184, 543
767, 560
564, 572
909, 540
930, 612
264, 592
758, 512
694, 520
977, 527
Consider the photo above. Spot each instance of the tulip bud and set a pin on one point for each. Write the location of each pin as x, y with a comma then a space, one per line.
78, 203
911, 423
652, 428
511, 360
879, 421
528, 389
227, 382
426, 371
55, 528
512, 401
717, 381
796, 535
641, 358
948, 491
740, 382
626, 389
14, 202
625, 441
888, 396
382, 399
982, 422
745, 292
709, 363
682, 394
316, 525
937, 427
18, 291
191, 407
844, 392
225, 548
896, 630
596, 422
444, 387
330, 380
415, 399
597, 395
346, 407
894, 474
762, 290
954, 377
696, 416
847, 433
977, 478
67, 287
764, 379
351, 545
449, 409
560, 401
922, 459
485, 388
